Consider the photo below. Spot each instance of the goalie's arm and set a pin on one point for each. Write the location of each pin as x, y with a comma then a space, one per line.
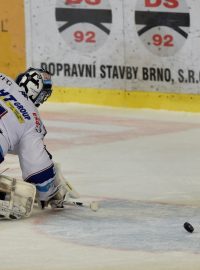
37, 166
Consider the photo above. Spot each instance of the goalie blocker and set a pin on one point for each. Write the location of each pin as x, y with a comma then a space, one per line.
16, 198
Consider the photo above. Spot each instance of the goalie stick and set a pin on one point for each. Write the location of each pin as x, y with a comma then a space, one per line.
93, 205
72, 193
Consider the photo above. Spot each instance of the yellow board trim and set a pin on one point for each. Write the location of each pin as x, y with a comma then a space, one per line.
128, 99
12, 37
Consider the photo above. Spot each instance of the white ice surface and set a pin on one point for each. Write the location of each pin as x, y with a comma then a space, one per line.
143, 167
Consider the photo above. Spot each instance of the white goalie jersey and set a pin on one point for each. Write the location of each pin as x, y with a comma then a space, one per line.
22, 133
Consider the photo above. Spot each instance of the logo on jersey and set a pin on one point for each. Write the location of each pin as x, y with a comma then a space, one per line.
162, 25
37, 123
24, 94
4, 78
16, 107
39, 126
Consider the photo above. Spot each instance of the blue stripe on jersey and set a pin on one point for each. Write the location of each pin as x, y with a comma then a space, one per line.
1, 155
42, 176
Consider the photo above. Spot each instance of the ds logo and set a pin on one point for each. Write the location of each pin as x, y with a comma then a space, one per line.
166, 3
84, 24
90, 2
162, 25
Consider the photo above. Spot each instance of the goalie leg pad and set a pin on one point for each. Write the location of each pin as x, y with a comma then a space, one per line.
19, 198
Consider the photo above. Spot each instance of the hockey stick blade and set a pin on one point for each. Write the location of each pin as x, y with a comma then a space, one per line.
94, 206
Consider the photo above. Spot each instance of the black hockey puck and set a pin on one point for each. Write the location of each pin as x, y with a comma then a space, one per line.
188, 227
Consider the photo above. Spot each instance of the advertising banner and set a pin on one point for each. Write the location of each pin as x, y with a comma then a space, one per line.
140, 45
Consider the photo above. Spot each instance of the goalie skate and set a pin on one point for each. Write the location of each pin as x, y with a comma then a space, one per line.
19, 198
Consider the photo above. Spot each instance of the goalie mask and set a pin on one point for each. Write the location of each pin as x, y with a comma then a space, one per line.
37, 84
